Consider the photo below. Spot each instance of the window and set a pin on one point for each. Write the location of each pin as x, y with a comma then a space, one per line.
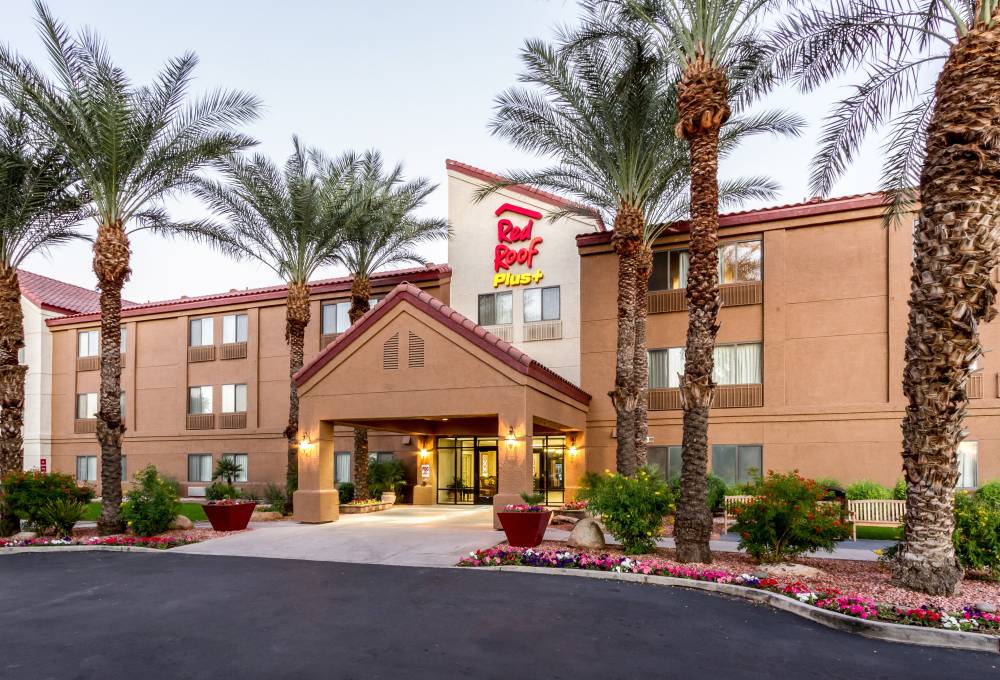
342, 467
86, 406
541, 304
667, 459
200, 399
121, 403
199, 467
241, 460
234, 328
336, 317
86, 468
737, 464
734, 365
670, 270
124, 468
739, 262
123, 336
665, 367
22, 356
381, 457
201, 332
234, 399
968, 465
88, 343
496, 309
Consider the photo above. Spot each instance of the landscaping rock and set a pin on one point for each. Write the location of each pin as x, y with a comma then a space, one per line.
181, 522
266, 516
787, 570
587, 534
24, 536
565, 518
986, 607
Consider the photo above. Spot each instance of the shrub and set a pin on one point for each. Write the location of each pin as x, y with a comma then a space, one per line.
385, 477
829, 483
274, 495
346, 491
787, 519
632, 508
152, 504
990, 492
717, 491
867, 490
227, 469
27, 494
899, 490
221, 491
61, 515
977, 533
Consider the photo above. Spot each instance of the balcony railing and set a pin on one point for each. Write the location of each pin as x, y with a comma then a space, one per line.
88, 363
233, 350
504, 332
326, 339
542, 330
732, 294
975, 388
233, 421
85, 426
202, 353
726, 396
201, 421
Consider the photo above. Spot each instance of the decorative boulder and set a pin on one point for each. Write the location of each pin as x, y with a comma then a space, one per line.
587, 534
986, 607
182, 522
266, 516
24, 536
788, 570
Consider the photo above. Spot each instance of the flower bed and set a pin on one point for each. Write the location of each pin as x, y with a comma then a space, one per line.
360, 507
966, 619
169, 539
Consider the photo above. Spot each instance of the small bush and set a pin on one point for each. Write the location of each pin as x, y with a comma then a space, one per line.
717, 491
385, 477
977, 533
221, 491
744, 489
152, 504
899, 490
990, 493
274, 495
346, 491
61, 516
28, 494
829, 483
787, 519
632, 508
866, 490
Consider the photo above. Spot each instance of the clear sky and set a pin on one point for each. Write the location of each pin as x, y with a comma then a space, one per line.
416, 80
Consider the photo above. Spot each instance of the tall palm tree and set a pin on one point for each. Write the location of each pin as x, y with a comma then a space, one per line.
39, 208
947, 141
131, 146
291, 222
383, 231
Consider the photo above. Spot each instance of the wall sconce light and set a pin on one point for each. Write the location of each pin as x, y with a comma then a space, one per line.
424, 453
511, 439
572, 448
305, 443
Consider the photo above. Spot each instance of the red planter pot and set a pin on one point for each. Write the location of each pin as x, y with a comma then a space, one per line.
524, 529
229, 517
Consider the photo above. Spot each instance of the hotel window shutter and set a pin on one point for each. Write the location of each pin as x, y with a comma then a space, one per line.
390, 353
416, 347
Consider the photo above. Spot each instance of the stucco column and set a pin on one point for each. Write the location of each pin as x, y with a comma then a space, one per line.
514, 454
576, 463
316, 500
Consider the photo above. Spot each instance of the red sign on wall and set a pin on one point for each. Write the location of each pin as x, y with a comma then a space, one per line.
43, 465
509, 250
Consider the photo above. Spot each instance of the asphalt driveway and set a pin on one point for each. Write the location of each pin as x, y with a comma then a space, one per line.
151, 616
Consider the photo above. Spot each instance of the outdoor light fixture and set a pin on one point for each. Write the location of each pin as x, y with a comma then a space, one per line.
511, 439
305, 443
424, 453
572, 449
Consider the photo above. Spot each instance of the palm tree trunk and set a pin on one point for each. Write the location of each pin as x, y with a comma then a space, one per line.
703, 108
296, 320
641, 357
625, 397
111, 265
11, 386
360, 292
955, 249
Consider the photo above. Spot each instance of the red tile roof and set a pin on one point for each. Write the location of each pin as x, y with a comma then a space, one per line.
343, 283
442, 313
59, 296
814, 206
538, 194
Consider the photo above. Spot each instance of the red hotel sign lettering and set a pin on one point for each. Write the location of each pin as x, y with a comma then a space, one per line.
505, 256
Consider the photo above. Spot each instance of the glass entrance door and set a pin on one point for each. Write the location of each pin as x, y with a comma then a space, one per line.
486, 480
548, 458
467, 471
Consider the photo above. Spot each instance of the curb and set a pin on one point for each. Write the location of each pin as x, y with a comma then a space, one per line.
9, 550
879, 630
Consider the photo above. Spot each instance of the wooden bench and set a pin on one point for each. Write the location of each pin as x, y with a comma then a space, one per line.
875, 513
728, 504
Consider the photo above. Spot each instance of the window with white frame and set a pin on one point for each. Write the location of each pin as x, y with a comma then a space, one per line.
234, 398
86, 405
88, 343
667, 459
86, 468
342, 467
200, 399
737, 364
739, 262
496, 309
968, 465
241, 460
335, 317
201, 332
541, 304
669, 271
737, 464
234, 328
199, 467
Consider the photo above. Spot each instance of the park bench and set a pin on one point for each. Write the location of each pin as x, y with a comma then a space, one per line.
875, 513
729, 503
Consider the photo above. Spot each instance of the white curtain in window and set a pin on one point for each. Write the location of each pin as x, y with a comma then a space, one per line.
658, 362
683, 270
342, 468
748, 364
968, 465
241, 460
675, 361
725, 365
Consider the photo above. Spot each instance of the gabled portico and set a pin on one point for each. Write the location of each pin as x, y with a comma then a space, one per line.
413, 365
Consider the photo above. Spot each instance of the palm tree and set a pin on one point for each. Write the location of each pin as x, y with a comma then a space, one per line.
291, 222
948, 140
39, 208
383, 231
131, 146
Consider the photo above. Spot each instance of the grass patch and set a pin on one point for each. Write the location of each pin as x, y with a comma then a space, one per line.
881, 533
193, 511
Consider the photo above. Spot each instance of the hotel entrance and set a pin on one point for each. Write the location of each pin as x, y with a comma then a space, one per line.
549, 468
467, 470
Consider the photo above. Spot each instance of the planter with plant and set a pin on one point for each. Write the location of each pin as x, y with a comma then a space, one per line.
226, 509
525, 523
385, 479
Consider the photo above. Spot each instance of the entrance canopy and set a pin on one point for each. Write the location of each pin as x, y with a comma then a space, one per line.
413, 365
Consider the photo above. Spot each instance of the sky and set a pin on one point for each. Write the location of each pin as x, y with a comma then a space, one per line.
416, 80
